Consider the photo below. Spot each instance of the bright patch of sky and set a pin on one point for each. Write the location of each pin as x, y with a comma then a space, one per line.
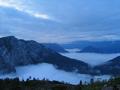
21, 6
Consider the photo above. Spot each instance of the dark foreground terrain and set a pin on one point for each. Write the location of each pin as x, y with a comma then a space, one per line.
16, 84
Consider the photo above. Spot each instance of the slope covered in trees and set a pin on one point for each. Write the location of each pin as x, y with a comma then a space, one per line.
35, 84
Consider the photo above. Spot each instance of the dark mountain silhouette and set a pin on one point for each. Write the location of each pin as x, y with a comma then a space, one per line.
111, 67
16, 52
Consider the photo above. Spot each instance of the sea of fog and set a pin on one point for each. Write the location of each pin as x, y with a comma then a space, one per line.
90, 58
48, 71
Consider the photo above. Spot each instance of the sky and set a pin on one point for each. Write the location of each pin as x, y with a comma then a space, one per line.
60, 20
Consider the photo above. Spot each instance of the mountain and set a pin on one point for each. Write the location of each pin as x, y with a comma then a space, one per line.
111, 67
17, 52
55, 47
95, 46
90, 49
102, 50
5, 67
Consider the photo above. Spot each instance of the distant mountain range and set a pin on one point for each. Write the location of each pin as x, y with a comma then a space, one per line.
97, 49
95, 46
56, 47
16, 52
90, 49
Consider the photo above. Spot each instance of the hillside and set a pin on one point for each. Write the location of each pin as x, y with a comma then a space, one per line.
111, 67
35, 84
16, 52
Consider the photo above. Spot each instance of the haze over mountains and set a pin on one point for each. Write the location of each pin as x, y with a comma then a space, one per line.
95, 46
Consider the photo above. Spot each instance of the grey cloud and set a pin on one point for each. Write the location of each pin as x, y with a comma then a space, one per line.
75, 19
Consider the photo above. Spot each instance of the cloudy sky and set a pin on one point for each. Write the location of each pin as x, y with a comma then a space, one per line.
60, 20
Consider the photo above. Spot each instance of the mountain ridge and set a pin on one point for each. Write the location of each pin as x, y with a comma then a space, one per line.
105, 47
111, 67
17, 52
56, 47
